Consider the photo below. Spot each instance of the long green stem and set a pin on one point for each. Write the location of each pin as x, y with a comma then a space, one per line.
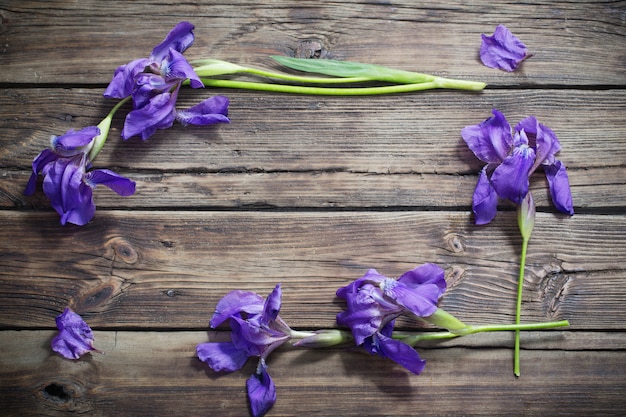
334, 91
412, 339
518, 306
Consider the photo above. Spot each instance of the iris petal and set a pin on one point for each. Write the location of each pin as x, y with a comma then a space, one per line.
179, 38
261, 391
210, 111
502, 50
491, 141
176, 68
159, 113
560, 191
123, 82
421, 301
121, 185
510, 178
75, 337
424, 274
235, 302
222, 356
484, 200
401, 353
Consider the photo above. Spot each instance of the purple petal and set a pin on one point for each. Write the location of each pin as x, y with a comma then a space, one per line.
261, 391
363, 314
401, 353
147, 86
223, 356
121, 185
271, 307
371, 277
69, 195
421, 301
491, 141
180, 38
123, 82
176, 68
424, 274
236, 302
75, 337
485, 200
542, 138
257, 340
44, 158
159, 113
510, 179
559, 187
72, 142
502, 50
210, 111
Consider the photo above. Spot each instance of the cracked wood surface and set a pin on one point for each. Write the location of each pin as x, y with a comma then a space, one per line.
311, 192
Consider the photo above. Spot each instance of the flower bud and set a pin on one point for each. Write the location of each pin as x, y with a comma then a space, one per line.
445, 320
526, 216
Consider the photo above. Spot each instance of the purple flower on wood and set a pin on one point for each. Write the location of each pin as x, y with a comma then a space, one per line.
75, 337
154, 83
375, 301
256, 330
502, 50
512, 156
68, 183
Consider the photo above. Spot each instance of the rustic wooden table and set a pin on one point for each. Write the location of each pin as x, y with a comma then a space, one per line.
311, 191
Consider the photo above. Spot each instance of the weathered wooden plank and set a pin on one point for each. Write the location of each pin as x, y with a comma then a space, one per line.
148, 373
166, 270
56, 41
273, 132
598, 189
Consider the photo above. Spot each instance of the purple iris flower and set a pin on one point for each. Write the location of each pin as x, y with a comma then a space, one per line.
512, 156
154, 82
67, 182
375, 301
75, 337
502, 50
256, 330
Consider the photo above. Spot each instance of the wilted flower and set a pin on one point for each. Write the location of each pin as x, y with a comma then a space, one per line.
75, 337
512, 157
256, 330
67, 182
375, 301
502, 50
154, 83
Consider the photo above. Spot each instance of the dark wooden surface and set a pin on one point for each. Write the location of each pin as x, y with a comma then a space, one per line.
311, 192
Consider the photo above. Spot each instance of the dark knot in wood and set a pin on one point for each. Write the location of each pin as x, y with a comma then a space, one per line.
454, 243
311, 48
94, 297
123, 250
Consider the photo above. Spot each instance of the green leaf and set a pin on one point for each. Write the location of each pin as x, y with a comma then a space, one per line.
353, 69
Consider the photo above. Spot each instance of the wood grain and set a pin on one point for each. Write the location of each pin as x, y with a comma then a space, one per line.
311, 192
416, 133
164, 270
55, 41
148, 373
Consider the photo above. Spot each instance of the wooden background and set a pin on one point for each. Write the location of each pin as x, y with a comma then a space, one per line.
312, 191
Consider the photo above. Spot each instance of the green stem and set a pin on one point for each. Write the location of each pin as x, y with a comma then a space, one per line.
300, 79
412, 339
333, 91
518, 306
104, 127
212, 67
